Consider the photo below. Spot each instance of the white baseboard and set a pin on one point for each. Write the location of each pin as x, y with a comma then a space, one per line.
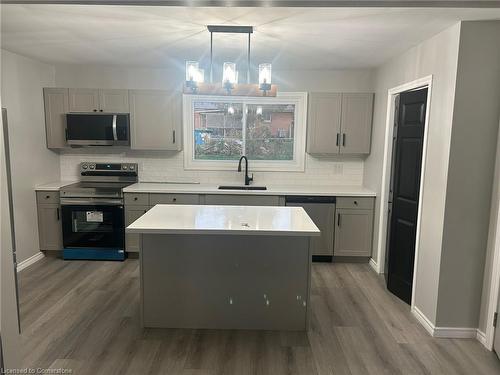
448, 332
28, 262
481, 337
422, 319
455, 333
374, 265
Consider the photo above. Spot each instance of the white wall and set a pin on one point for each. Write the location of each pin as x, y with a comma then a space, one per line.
437, 56
32, 163
169, 166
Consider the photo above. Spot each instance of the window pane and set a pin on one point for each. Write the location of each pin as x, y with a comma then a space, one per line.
218, 130
269, 132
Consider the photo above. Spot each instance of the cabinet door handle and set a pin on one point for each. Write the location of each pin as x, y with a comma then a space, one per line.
338, 220
338, 136
173, 136
343, 139
57, 211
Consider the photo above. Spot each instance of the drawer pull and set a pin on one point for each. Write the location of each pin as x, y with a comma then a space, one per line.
338, 220
135, 198
47, 196
174, 199
356, 203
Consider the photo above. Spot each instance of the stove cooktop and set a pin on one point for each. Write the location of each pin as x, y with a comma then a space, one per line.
94, 189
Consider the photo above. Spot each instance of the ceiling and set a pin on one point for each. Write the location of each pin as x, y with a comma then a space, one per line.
290, 38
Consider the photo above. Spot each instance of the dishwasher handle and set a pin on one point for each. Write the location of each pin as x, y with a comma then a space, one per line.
309, 199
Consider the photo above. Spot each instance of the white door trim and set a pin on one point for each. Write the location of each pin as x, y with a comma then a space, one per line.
495, 271
386, 171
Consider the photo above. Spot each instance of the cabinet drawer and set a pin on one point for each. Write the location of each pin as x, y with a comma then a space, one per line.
355, 202
141, 199
43, 197
242, 200
174, 199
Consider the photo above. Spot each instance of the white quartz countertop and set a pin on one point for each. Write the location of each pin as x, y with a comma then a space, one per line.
230, 220
338, 191
53, 186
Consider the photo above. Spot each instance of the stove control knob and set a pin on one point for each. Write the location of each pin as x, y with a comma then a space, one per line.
84, 166
92, 166
124, 167
131, 167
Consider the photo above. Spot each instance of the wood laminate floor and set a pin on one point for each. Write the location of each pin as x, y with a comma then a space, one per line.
85, 316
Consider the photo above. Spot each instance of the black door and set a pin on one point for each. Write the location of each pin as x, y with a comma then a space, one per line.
405, 191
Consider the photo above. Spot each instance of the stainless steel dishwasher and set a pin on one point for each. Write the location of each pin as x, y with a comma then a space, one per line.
321, 210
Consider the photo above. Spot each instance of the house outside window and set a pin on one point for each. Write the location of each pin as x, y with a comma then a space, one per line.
269, 131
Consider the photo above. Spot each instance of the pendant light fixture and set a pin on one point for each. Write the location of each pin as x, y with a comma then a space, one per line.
229, 86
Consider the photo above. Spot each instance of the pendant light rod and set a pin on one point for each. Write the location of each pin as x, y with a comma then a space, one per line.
248, 59
211, 57
229, 30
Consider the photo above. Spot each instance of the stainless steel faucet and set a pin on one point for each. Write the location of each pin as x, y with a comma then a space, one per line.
248, 179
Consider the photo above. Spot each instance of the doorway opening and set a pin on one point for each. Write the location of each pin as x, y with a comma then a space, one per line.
384, 235
404, 190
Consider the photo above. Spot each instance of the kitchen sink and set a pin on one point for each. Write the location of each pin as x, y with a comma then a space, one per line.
242, 188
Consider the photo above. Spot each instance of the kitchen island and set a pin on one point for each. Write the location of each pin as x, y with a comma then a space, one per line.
225, 267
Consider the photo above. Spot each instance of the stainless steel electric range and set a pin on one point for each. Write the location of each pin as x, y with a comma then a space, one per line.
92, 214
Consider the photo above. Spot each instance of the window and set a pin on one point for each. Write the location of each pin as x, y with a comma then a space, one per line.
269, 131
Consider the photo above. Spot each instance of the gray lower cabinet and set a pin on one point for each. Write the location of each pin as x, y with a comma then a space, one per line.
56, 106
353, 232
174, 199
243, 200
132, 213
49, 221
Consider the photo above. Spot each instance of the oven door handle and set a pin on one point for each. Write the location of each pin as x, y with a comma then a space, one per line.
91, 202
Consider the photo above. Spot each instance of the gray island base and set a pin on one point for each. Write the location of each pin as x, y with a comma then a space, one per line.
225, 267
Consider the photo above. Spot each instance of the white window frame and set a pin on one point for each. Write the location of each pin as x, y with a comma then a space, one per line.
299, 99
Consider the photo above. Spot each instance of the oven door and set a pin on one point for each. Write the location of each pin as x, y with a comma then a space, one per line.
93, 225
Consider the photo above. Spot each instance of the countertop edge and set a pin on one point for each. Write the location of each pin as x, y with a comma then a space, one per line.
238, 232
279, 191
53, 186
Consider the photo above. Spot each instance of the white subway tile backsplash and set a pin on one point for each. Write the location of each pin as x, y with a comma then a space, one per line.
169, 167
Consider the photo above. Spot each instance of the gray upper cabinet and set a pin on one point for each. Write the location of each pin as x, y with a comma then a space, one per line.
56, 106
339, 123
155, 120
323, 124
83, 100
98, 100
113, 101
356, 123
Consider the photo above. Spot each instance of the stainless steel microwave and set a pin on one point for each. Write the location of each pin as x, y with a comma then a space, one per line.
99, 129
